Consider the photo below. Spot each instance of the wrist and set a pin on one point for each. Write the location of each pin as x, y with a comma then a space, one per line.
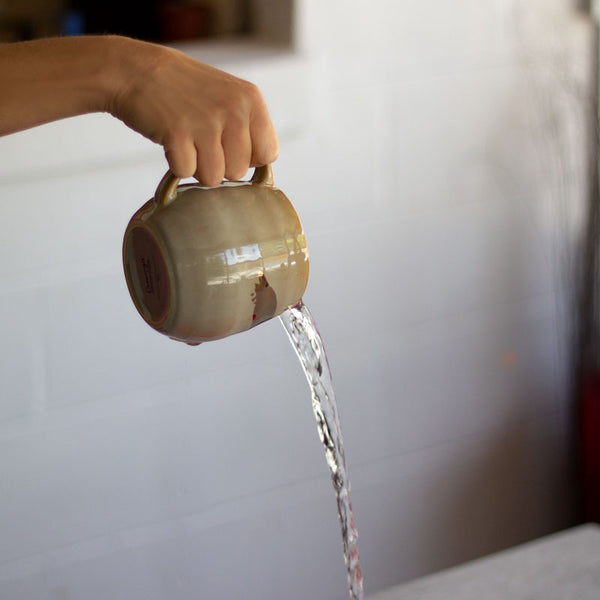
128, 65
114, 68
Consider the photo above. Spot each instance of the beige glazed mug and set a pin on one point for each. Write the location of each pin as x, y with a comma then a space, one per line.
204, 263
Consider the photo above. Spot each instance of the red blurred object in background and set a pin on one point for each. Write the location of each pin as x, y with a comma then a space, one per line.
179, 21
590, 438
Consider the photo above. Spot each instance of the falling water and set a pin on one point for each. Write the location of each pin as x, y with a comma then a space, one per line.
308, 344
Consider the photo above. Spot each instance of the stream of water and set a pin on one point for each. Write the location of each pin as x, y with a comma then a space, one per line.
308, 345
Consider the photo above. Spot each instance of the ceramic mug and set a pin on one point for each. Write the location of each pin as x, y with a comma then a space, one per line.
204, 263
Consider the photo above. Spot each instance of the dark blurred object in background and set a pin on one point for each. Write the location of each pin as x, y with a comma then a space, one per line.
28, 19
590, 435
135, 18
151, 20
15, 30
184, 21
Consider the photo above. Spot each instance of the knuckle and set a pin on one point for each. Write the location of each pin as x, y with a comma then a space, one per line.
252, 91
242, 99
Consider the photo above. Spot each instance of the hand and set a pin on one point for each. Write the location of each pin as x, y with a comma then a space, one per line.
210, 123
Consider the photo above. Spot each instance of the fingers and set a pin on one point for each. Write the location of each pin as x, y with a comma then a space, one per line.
249, 138
203, 159
222, 136
237, 151
180, 153
265, 145
229, 157
210, 168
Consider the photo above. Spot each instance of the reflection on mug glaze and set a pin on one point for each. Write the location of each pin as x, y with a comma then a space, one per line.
265, 301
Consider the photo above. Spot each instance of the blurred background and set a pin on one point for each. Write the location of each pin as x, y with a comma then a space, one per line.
441, 156
152, 20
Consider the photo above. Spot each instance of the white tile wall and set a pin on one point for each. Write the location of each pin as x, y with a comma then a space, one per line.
436, 155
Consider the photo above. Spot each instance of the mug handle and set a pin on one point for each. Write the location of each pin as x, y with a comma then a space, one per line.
167, 188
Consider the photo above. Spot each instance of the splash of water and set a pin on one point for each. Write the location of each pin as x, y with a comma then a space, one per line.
308, 345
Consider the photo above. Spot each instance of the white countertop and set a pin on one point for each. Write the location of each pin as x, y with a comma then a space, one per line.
563, 566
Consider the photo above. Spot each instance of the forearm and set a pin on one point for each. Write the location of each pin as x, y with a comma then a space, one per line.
50, 79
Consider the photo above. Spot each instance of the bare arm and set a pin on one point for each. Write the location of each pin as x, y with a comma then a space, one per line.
211, 124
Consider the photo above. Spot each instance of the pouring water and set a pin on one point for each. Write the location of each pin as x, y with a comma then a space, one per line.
308, 345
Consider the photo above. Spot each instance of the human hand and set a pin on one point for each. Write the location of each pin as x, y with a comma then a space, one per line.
210, 123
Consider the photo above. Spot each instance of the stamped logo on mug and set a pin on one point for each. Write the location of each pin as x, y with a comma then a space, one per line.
148, 274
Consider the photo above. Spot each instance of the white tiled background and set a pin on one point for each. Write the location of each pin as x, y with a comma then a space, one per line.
435, 152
